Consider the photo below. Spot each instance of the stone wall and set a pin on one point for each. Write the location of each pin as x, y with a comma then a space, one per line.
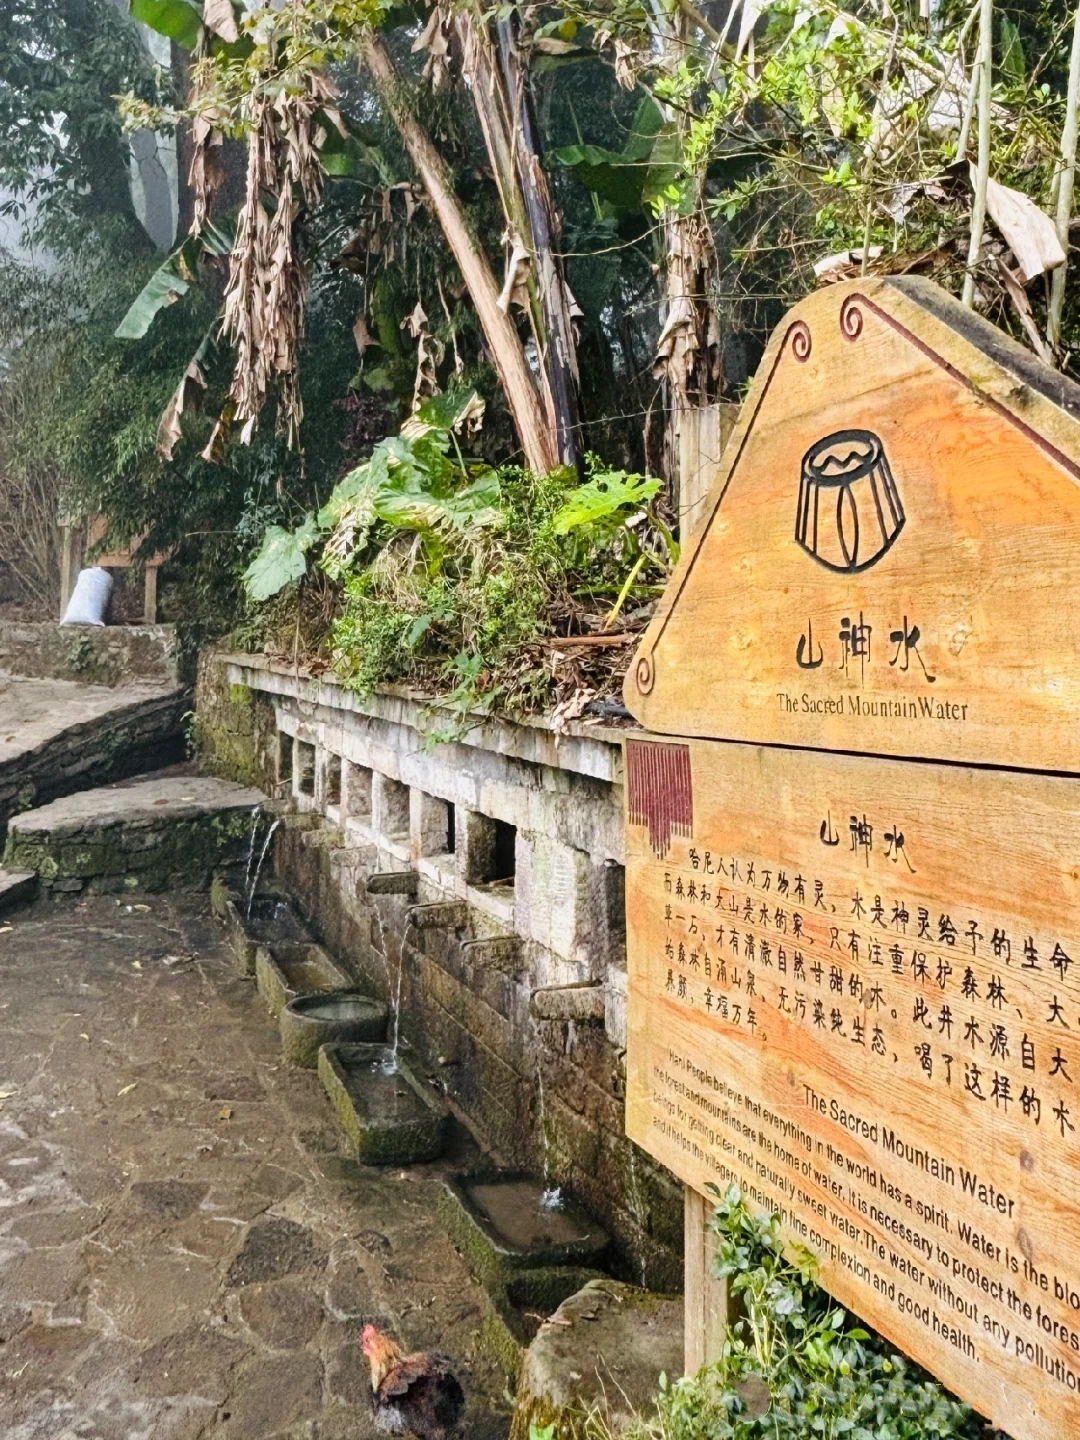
482, 877
91, 654
234, 731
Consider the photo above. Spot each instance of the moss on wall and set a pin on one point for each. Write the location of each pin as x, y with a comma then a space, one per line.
234, 731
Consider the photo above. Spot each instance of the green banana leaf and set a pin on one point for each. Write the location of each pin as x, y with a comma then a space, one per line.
172, 280
180, 20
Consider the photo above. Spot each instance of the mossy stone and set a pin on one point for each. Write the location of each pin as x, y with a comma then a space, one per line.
380, 1131
308, 1022
283, 972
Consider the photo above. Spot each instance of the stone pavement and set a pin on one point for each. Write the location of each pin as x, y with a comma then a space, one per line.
185, 1251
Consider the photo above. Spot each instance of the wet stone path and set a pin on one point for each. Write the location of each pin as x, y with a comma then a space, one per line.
185, 1251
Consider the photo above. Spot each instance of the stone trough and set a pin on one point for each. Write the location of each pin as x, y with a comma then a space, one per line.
528, 1253
505, 1222
272, 921
284, 972
389, 1117
340, 1018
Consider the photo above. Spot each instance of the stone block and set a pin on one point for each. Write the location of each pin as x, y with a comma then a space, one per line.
634, 1336
389, 807
474, 846
616, 997
429, 820
583, 1003
551, 899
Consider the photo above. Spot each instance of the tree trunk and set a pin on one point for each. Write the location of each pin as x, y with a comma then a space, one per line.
537, 439
560, 353
689, 353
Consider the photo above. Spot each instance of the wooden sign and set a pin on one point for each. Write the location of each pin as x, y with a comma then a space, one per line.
855, 979
888, 558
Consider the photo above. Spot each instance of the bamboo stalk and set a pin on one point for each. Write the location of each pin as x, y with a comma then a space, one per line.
561, 642
982, 173
1066, 179
964, 137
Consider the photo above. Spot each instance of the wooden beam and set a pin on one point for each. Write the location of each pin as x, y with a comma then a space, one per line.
150, 596
706, 1303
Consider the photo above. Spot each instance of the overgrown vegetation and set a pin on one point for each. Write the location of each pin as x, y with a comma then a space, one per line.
794, 1365
458, 577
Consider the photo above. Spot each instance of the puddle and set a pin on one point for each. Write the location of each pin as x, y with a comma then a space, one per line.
515, 1211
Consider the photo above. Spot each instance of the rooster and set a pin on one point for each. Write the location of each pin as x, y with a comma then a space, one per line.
416, 1395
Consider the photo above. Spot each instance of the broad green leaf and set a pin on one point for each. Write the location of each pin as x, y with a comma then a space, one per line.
647, 124
180, 20
281, 560
417, 630
602, 497
618, 176
1012, 52
350, 514
607, 173
347, 157
172, 280
666, 165
415, 508
451, 408
169, 282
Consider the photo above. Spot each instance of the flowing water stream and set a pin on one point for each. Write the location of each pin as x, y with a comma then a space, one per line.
255, 813
552, 1198
258, 868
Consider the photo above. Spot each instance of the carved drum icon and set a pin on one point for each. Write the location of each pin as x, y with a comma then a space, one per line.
849, 507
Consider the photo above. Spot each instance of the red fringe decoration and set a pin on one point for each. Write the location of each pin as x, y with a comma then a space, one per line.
660, 792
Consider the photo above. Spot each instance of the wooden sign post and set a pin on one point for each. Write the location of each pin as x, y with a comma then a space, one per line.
853, 841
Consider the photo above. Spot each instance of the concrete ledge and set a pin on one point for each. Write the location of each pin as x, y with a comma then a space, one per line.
593, 750
16, 887
57, 736
170, 831
107, 655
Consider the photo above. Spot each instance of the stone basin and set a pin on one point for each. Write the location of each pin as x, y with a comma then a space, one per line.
339, 1017
282, 972
502, 1226
272, 921
389, 1116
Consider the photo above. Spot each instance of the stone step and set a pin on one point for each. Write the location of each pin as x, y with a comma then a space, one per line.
166, 832
16, 887
58, 737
